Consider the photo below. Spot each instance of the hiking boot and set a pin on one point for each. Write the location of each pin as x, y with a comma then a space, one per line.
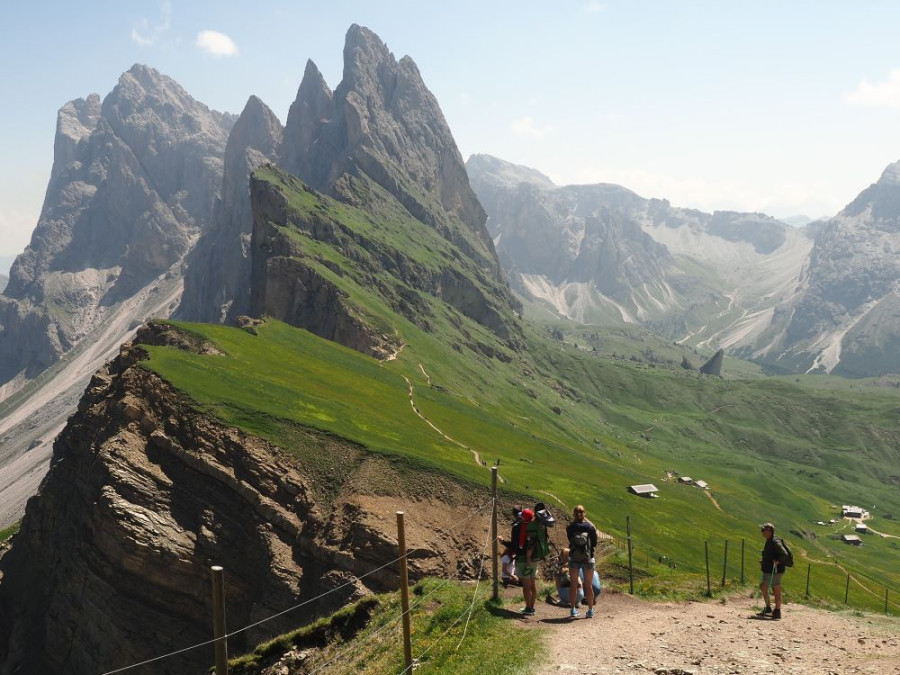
590, 613
776, 614
573, 613
527, 611
766, 612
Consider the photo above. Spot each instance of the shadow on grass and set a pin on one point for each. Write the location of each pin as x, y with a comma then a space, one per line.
503, 612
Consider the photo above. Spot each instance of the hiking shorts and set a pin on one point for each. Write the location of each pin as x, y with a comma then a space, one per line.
769, 579
584, 567
524, 570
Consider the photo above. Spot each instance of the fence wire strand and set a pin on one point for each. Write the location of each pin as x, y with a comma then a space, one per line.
475, 512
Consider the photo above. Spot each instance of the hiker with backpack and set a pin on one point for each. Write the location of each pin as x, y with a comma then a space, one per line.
775, 559
582, 537
523, 544
531, 545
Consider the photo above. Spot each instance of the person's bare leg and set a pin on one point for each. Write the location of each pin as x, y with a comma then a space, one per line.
776, 591
529, 591
764, 589
573, 588
589, 588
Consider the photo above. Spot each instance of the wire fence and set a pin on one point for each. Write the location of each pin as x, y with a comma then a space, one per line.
476, 511
726, 564
733, 562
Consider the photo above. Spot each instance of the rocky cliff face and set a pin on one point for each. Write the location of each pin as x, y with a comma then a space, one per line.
134, 180
821, 299
111, 566
602, 253
217, 280
845, 320
383, 121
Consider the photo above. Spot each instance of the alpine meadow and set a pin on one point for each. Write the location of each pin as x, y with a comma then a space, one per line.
251, 344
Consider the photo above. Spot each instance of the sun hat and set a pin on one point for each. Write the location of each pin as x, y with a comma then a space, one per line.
527, 515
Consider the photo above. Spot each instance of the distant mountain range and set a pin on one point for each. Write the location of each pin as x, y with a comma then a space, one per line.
280, 452
821, 298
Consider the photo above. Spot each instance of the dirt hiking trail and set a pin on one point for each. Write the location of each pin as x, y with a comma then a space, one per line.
631, 636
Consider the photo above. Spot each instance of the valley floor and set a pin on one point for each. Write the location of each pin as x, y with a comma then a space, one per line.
629, 635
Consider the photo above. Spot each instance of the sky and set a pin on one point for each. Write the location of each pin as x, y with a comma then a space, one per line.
783, 108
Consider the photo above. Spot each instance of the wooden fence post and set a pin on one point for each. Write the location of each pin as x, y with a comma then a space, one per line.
742, 562
630, 566
494, 551
404, 593
725, 564
708, 587
808, 572
886, 600
847, 590
218, 593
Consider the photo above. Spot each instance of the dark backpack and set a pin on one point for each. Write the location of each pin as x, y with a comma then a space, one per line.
543, 516
580, 547
787, 559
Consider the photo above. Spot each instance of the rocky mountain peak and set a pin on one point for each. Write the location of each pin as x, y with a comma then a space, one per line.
878, 204
494, 170
217, 281
364, 56
74, 124
257, 128
134, 179
891, 175
387, 124
312, 108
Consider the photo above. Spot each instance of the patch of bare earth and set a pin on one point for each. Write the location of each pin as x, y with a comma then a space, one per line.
629, 635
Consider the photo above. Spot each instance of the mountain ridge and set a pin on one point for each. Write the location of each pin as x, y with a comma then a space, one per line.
816, 299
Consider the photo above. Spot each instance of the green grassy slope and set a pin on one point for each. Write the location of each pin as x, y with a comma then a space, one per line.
770, 451
569, 424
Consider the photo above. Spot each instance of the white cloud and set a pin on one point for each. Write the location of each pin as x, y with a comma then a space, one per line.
147, 34
528, 128
215, 43
594, 7
878, 94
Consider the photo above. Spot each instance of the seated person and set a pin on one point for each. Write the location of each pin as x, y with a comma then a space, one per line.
563, 583
508, 564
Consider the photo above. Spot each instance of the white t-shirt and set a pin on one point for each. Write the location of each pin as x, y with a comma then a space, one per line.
508, 565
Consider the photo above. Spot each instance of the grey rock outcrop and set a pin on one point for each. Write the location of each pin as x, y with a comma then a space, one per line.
111, 565
217, 279
714, 365
845, 320
600, 253
824, 298
383, 121
134, 180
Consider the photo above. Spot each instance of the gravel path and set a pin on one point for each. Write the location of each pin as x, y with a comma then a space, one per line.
629, 635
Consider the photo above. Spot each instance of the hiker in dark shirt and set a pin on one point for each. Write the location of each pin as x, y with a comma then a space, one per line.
771, 564
582, 537
526, 569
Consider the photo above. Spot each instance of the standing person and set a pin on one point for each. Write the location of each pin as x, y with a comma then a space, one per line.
582, 537
772, 566
526, 569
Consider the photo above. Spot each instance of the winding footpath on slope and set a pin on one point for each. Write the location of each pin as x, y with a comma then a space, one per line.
427, 421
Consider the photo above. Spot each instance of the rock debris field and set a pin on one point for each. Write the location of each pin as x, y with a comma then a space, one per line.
629, 635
